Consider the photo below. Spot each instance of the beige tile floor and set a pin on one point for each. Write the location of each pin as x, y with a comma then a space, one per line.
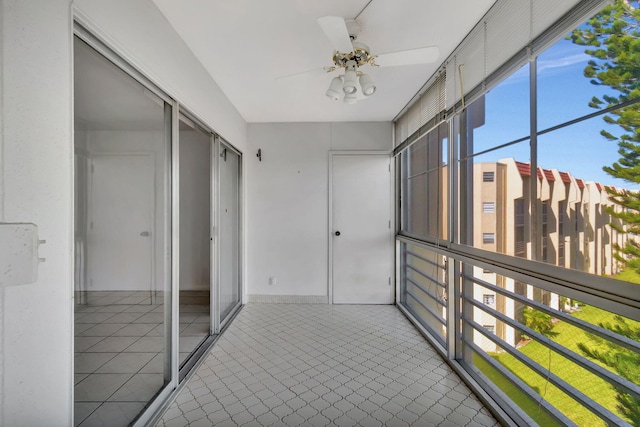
324, 365
119, 352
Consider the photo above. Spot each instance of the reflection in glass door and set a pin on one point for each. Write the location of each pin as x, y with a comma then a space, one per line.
229, 283
195, 237
122, 242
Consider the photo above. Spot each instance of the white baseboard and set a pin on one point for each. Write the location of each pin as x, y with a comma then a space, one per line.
288, 299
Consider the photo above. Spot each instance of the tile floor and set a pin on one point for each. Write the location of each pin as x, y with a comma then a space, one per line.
324, 365
119, 352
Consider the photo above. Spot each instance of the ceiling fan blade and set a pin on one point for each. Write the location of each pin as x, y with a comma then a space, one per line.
423, 55
336, 30
312, 72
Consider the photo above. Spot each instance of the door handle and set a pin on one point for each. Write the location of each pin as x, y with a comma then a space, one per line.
145, 234
337, 233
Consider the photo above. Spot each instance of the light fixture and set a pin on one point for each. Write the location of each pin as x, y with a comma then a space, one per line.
350, 98
335, 87
349, 83
350, 79
367, 85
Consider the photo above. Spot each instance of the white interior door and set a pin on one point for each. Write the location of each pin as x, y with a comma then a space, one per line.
361, 229
120, 235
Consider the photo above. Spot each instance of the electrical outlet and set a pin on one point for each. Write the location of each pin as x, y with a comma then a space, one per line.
272, 280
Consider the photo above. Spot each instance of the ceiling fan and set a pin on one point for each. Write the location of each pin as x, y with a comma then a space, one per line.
351, 55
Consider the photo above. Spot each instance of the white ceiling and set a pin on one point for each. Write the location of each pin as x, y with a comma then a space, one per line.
247, 44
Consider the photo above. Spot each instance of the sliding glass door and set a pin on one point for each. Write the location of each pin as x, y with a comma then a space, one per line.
195, 149
229, 173
122, 242
157, 239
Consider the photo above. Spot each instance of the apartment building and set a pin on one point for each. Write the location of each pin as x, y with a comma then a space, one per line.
574, 232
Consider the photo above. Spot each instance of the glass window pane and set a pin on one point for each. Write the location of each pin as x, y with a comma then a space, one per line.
122, 242
489, 169
195, 237
581, 225
564, 93
494, 188
501, 115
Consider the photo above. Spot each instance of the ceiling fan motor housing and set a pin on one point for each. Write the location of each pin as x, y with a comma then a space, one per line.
360, 55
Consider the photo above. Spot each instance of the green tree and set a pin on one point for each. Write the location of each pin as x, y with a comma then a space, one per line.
539, 321
612, 40
623, 361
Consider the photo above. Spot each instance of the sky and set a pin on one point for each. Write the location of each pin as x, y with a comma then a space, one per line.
563, 95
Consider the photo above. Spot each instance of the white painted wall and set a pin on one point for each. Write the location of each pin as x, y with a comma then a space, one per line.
36, 170
287, 201
36, 179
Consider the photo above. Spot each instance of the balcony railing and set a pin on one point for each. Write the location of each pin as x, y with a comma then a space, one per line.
542, 349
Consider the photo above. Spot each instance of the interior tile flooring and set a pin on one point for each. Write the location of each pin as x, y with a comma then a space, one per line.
119, 351
324, 365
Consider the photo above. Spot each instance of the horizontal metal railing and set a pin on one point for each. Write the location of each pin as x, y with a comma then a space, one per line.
426, 289
469, 308
552, 378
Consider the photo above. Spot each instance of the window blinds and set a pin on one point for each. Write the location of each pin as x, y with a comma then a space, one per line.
511, 33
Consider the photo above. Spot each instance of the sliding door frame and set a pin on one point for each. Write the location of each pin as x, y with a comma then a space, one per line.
86, 31
221, 145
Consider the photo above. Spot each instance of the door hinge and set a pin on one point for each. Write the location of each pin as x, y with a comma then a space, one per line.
389, 281
389, 167
389, 224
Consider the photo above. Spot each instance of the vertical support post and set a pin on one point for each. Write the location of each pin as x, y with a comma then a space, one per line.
536, 249
215, 294
465, 287
453, 292
172, 328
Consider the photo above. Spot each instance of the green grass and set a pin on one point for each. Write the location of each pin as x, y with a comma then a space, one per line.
530, 406
591, 385
628, 275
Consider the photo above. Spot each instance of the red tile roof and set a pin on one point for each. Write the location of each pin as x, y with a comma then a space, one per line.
549, 175
524, 168
566, 178
539, 173
580, 183
599, 186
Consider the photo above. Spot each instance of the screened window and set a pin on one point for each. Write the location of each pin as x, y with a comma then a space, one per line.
488, 207
488, 238
424, 186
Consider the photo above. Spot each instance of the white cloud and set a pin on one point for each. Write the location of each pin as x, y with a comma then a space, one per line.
550, 64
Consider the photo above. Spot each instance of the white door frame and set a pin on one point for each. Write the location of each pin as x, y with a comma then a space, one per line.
392, 213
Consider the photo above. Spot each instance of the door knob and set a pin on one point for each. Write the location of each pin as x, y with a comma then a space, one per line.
145, 234
337, 233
